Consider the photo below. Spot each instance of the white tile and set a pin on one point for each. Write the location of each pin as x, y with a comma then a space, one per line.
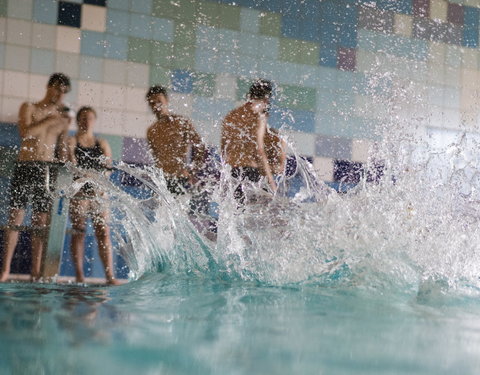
113, 97
360, 150
303, 143
19, 32
403, 24
136, 100
37, 87
469, 58
115, 72
68, 39
226, 86
138, 75
89, 93
94, 18
452, 76
68, 63
181, 104
15, 84
324, 168
438, 10
10, 108
110, 121
17, 58
3, 29
136, 125
20, 9
44, 36
209, 132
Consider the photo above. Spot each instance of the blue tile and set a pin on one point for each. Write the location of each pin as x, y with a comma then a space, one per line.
116, 47
42, 61
311, 30
400, 6
205, 61
347, 35
470, 37
328, 34
118, 21
119, 4
291, 27
69, 14
297, 120
45, 11
328, 57
182, 81
140, 26
162, 29
471, 17
91, 68
9, 136
92, 43
143, 6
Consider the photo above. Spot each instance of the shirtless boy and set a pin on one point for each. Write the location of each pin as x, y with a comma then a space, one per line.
170, 138
43, 128
243, 138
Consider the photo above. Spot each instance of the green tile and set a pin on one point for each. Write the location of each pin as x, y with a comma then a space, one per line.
177, 10
299, 51
296, 97
229, 17
270, 24
204, 84
3, 8
185, 35
161, 54
183, 57
116, 144
207, 13
159, 76
139, 50
243, 85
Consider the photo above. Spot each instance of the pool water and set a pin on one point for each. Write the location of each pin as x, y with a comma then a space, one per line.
166, 324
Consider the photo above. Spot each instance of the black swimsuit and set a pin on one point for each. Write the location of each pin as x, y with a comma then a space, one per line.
89, 158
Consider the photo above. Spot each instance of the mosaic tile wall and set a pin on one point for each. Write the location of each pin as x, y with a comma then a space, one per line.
321, 54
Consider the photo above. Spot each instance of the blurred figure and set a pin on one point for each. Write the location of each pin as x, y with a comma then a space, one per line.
92, 155
243, 138
43, 128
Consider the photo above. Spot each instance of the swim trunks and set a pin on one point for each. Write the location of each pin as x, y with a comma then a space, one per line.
33, 181
244, 173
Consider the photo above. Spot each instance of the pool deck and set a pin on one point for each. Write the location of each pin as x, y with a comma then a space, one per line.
24, 278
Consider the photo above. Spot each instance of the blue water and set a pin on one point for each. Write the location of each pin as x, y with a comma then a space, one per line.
166, 324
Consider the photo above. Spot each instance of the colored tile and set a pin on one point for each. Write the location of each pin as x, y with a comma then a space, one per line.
204, 84
182, 81
139, 50
399, 6
346, 59
118, 21
268, 47
270, 24
144, 6
45, 11
421, 8
455, 13
116, 47
3, 8
69, 14
135, 151
159, 76
162, 29
119, 4
184, 10
161, 54
140, 26
229, 17
116, 144
296, 97
183, 57
292, 27
184, 35
207, 14
471, 17
328, 57
92, 44
20, 9
42, 61
375, 20
333, 147
243, 86
470, 37
297, 51
294, 119
250, 20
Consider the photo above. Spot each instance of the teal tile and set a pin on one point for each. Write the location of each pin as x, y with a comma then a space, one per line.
120, 4
249, 44
162, 29
116, 47
250, 20
92, 43
116, 144
142, 6
140, 26
42, 61
118, 22
45, 11
22, 9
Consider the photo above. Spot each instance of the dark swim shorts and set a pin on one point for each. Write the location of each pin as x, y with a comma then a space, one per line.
244, 173
33, 181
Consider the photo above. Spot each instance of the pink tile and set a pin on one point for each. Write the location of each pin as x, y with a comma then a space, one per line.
455, 13
421, 8
346, 58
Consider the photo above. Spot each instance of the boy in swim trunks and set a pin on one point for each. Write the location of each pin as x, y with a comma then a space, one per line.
243, 138
43, 128
170, 139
